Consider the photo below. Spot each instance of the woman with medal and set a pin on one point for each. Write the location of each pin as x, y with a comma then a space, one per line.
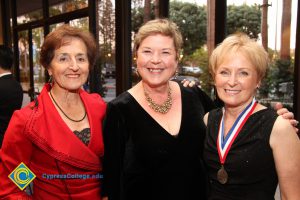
154, 132
248, 147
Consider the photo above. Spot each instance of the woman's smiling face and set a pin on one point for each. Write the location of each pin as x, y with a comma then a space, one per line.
156, 59
236, 80
70, 65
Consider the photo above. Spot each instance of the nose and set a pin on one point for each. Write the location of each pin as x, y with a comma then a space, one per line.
232, 81
155, 58
73, 64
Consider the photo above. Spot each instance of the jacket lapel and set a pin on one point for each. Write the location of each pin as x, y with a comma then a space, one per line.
48, 131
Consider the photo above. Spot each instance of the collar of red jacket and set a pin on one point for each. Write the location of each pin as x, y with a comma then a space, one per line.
48, 131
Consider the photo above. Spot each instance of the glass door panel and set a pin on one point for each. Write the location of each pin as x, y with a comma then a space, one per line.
38, 69
24, 60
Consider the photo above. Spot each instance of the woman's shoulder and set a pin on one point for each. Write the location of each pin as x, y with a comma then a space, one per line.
92, 97
26, 111
282, 126
20, 119
197, 94
214, 113
122, 99
262, 112
283, 136
94, 103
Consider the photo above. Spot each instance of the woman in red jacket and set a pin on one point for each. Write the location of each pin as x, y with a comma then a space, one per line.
58, 136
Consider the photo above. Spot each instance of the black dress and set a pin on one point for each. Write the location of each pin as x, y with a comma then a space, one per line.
142, 161
249, 163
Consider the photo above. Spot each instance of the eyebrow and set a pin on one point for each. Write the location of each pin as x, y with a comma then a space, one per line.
226, 67
66, 54
167, 48
81, 54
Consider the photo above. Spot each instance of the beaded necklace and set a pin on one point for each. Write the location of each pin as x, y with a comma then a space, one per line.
163, 108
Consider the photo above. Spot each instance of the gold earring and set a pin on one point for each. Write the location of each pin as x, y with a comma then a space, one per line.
175, 75
137, 72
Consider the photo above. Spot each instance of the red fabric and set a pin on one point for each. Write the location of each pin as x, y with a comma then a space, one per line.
38, 137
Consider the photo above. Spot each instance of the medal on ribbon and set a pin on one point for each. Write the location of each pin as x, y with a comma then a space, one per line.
224, 143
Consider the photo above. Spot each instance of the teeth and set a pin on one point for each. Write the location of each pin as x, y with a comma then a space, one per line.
155, 70
73, 75
232, 91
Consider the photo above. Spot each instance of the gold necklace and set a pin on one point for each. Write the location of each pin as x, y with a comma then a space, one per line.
164, 108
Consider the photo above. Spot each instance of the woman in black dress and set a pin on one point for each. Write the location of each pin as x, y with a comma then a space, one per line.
248, 147
154, 132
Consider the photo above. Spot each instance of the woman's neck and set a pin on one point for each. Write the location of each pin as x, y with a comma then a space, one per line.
156, 90
235, 111
66, 97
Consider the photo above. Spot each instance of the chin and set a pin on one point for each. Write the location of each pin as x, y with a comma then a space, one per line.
73, 87
230, 102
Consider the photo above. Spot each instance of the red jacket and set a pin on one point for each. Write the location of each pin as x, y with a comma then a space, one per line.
38, 137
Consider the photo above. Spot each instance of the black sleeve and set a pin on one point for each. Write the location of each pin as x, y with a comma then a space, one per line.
207, 103
113, 135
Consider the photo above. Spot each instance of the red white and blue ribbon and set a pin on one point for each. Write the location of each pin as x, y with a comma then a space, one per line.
224, 143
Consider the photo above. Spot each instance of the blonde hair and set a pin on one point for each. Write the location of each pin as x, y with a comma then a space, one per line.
240, 42
159, 26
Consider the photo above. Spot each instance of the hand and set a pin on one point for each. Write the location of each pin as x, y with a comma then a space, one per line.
286, 114
104, 198
188, 83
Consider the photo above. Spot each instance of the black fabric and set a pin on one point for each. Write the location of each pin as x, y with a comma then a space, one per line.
143, 161
249, 163
11, 97
84, 135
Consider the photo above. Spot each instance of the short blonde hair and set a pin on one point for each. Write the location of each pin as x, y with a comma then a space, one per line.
159, 26
240, 42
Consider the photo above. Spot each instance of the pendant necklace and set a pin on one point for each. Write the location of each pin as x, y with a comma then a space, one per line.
73, 120
224, 143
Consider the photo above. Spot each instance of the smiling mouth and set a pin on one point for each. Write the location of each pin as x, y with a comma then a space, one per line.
73, 75
232, 91
155, 70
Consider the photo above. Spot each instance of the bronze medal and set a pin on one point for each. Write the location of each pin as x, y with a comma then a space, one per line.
222, 175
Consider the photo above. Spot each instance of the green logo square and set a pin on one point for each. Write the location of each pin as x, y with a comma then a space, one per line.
22, 176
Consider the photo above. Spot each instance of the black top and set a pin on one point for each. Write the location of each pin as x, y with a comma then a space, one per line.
11, 97
84, 135
143, 161
249, 163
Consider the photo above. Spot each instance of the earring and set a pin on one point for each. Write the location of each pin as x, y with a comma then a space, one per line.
175, 75
137, 73
50, 81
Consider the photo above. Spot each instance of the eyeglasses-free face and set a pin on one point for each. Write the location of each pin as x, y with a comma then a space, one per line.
70, 65
156, 59
236, 80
